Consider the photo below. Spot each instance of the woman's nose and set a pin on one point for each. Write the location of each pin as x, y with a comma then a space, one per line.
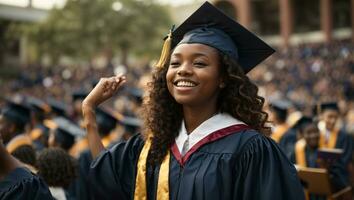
185, 70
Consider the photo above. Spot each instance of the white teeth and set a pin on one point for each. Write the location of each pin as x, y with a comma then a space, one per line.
185, 84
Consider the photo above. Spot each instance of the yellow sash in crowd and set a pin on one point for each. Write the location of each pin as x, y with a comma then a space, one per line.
300, 153
279, 132
18, 141
140, 184
331, 143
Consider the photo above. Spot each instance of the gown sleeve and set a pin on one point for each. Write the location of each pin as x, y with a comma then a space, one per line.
264, 173
21, 184
112, 173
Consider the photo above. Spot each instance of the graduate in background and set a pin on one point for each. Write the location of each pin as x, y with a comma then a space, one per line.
13, 122
279, 113
107, 121
333, 137
58, 169
39, 133
63, 133
306, 155
289, 139
17, 182
204, 135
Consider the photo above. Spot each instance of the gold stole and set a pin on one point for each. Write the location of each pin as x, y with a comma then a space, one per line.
78, 147
300, 153
18, 141
279, 132
331, 143
140, 192
36, 133
106, 141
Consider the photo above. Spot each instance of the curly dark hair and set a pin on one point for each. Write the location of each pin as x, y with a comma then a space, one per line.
163, 115
25, 154
57, 167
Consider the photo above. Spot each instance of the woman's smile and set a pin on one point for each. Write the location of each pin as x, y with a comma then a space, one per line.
193, 76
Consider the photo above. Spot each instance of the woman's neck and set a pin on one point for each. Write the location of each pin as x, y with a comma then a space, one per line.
196, 115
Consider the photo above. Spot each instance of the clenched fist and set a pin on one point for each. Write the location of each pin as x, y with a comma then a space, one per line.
104, 90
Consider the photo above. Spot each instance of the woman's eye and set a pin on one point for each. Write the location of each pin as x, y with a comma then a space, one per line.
199, 64
174, 64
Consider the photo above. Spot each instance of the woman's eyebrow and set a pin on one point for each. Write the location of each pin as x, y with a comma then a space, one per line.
198, 54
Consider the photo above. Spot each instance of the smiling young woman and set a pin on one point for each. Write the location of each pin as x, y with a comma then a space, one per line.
204, 135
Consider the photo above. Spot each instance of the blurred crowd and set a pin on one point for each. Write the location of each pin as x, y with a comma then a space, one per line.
298, 83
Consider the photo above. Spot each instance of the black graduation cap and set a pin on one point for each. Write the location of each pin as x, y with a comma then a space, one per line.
79, 95
59, 108
280, 107
131, 124
17, 112
210, 26
66, 132
38, 105
302, 122
329, 106
107, 119
136, 93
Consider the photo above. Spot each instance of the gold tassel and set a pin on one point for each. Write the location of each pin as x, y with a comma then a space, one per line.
165, 53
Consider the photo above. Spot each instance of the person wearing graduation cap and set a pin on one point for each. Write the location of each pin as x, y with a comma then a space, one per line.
333, 137
107, 121
82, 144
39, 133
63, 133
306, 155
16, 181
77, 98
204, 135
13, 121
279, 113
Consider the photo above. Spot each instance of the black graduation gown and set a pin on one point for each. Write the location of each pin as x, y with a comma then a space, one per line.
21, 184
345, 142
82, 186
339, 169
287, 143
241, 165
83, 191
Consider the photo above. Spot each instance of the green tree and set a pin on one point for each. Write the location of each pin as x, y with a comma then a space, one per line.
83, 28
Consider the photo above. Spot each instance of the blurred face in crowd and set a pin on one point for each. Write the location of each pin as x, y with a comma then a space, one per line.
311, 135
6, 129
193, 76
330, 118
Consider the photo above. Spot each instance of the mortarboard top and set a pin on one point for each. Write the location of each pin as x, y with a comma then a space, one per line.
280, 105
65, 131
79, 95
210, 26
136, 93
38, 105
107, 117
320, 107
329, 106
131, 124
302, 122
16, 112
59, 108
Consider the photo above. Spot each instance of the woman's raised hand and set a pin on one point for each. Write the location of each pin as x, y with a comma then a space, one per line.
104, 90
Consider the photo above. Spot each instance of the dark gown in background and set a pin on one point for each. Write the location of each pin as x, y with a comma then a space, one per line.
21, 184
240, 165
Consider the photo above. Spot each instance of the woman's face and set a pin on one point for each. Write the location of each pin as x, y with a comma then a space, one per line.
312, 135
193, 76
330, 118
